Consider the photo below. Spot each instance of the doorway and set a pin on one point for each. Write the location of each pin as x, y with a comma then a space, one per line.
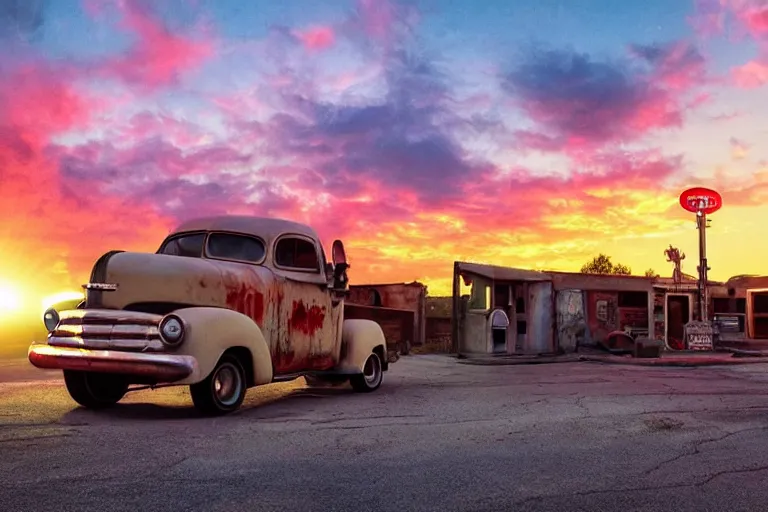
677, 315
499, 327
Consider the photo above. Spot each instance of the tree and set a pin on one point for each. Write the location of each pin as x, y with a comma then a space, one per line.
622, 270
602, 264
651, 273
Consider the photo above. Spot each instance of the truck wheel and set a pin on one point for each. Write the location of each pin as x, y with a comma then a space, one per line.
95, 390
372, 375
223, 391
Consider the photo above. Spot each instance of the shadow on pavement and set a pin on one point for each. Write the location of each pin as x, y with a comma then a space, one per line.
256, 405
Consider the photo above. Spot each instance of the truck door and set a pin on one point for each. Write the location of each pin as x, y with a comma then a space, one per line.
306, 338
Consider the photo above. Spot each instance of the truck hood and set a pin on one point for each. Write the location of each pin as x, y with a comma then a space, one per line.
153, 280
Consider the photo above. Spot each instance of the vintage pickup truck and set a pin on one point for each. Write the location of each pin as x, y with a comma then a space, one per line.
225, 304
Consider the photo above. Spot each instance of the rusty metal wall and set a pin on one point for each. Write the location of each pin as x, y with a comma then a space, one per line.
438, 329
397, 324
406, 296
602, 313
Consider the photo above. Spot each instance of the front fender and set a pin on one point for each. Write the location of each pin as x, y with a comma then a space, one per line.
211, 331
358, 339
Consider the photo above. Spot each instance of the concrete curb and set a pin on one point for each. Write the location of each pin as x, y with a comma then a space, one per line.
512, 361
670, 361
676, 361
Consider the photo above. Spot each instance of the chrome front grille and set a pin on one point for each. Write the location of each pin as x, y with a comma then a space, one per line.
100, 329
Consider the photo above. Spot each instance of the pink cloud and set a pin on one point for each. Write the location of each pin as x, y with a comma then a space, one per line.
377, 17
709, 17
752, 74
750, 18
35, 106
316, 38
158, 55
755, 17
679, 65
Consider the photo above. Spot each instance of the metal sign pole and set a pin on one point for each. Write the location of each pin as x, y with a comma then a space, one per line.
701, 224
700, 334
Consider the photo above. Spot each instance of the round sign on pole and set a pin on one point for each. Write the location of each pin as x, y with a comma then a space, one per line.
699, 199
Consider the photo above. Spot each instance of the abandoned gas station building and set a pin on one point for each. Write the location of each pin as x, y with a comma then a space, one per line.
518, 311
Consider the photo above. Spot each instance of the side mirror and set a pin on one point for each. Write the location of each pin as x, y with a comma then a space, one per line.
338, 254
340, 265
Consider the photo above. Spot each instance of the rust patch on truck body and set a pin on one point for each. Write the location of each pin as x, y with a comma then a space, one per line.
293, 317
305, 319
248, 301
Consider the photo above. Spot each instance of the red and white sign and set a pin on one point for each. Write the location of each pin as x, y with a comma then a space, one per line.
699, 199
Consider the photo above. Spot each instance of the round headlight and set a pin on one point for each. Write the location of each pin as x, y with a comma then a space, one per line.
50, 319
172, 330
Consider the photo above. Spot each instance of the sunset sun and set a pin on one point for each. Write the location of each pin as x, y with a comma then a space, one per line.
10, 299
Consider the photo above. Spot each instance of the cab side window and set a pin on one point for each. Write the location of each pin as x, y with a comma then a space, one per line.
296, 253
190, 246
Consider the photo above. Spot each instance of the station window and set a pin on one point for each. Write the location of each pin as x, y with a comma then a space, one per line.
633, 299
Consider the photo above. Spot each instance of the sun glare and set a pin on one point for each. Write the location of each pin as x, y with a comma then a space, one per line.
10, 299
54, 299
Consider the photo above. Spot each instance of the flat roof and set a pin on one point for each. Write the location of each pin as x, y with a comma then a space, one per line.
503, 273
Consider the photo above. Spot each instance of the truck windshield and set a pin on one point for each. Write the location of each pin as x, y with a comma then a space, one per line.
227, 246
224, 246
190, 246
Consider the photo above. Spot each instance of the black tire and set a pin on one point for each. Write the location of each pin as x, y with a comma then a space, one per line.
213, 396
370, 379
326, 380
95, 390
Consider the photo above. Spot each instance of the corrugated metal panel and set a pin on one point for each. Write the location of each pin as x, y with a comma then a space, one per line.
397, 324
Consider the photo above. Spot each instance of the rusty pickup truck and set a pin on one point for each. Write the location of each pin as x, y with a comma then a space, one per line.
226, 303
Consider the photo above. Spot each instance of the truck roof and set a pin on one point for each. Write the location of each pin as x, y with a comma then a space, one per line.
267, 228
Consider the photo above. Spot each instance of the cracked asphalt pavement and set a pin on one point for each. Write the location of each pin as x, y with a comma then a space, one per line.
438, 435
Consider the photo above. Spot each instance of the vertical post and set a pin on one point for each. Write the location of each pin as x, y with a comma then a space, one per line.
701, 224
455, 309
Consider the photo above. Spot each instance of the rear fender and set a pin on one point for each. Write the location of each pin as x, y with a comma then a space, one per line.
212, 331
359, 338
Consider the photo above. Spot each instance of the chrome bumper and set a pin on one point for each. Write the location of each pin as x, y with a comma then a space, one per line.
159, 367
